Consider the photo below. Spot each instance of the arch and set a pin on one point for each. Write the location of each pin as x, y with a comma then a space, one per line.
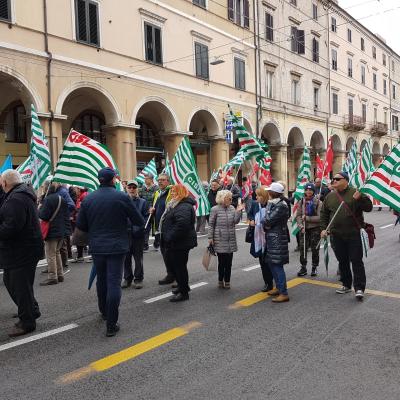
270, 133
336, 143
386, 149
317, 141
362, 145
96, 94
376, 148
349, 143
208, 118
248, 125
164, 112
295, 137
31, 95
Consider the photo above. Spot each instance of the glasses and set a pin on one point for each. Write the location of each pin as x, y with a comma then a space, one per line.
337, 179
132, 187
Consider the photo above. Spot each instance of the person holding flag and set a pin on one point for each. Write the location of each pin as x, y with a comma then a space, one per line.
342, 218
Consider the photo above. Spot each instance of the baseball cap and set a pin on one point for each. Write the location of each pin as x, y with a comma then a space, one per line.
276, 187
132, 182
106, 175
309, 186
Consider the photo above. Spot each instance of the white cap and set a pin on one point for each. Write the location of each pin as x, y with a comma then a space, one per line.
276, 187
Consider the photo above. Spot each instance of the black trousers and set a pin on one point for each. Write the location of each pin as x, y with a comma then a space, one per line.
147, 235
169, 262
224, 266
266, 272
19, 284
135, 251
178, 260
350, 251
313, 236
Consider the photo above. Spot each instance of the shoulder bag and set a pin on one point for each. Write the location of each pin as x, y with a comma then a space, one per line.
45, 225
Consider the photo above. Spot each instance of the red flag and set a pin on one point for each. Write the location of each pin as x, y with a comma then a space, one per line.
265, 178
328, 159
320, 166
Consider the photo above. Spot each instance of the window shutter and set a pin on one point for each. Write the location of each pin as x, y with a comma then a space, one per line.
246, 13
93, 24
230, 10
158, 45
197, 52
300, 42
204, 62
149, 42
81, 20
293, 36
4, 10
236, 73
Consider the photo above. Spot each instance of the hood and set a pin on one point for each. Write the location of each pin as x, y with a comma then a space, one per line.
189, 200
24, 189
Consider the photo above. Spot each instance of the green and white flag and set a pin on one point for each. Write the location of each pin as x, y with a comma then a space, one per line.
350, 164
167, 168
25, 170
303, 177
150, 168
81, 160
384, 183
39, 158
184, 172
365, 167
236, 161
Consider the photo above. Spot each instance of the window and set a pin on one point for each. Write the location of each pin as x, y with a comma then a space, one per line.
15, 124
374, 52
335, 103
374, 82
315, 50
384, 59
384, 87
5, 10
351, 106
375, 115
295, 91
239, 12
87, 22
350, 67
363, 74
269, 84
201, 3
394, 92
316, 98
297, 43
293, 2
201, 56
269, 30
146, 135
240, 82
334, 59
153, 43
364, 112
395, 123
315, 12
392, 65
385, 117
333, 24
90, 124
349, 35
362, 44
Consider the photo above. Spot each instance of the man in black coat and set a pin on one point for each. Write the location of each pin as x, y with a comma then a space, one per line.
104, 215
21, 247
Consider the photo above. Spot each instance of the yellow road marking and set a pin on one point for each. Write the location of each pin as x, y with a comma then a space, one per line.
128, 353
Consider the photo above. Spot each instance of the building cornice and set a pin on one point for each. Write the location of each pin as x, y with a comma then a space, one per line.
152, 15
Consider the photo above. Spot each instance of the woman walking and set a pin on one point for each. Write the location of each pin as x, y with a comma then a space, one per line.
222, 234
178, 237
276, 239
256, 218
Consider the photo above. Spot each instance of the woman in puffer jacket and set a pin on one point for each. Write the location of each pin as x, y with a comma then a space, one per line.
276, 240
222, 234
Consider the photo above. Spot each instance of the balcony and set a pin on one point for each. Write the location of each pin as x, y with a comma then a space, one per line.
379, 129
353, 123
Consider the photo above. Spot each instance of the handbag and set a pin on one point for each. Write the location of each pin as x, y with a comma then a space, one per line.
45, 225
209, 259
249, 238
79, 238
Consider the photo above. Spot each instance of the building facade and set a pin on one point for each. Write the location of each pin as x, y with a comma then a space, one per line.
141, 76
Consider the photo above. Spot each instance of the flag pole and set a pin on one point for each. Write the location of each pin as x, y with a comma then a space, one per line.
147, 222
304, 227
330, 222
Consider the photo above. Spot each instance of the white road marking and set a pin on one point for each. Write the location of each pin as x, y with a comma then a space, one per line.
169, 294
251, 268
385, 226
37, 337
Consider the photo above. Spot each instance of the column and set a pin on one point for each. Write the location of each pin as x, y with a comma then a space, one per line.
171, 141
338, 160
219, 152
279, 165
56, 142
121, 140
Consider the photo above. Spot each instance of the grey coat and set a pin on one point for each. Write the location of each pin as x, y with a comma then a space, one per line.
222, 228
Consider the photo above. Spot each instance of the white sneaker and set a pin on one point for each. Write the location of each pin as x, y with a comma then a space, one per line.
359, 294
343, 290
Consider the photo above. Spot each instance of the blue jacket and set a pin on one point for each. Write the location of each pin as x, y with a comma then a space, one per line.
60, 226
104, 215
137, 231
64, 193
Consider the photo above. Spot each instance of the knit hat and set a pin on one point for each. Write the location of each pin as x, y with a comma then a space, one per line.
106, 175
309, 186
345, 175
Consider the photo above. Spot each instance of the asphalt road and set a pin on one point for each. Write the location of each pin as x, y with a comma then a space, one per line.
219, 345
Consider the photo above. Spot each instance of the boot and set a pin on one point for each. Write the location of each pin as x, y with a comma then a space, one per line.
302, 271
282, 298
314, 271
273, 292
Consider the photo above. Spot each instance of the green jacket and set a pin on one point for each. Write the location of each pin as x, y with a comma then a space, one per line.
344, 224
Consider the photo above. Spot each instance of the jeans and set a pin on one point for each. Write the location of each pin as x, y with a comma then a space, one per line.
19, 284
224, 266
346, 251
266, 273
279, 277
312, 238
109, 276
178, 259
53, 256
135, 251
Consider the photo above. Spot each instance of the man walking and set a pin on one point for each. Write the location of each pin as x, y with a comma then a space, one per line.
21, 247
136, 241
104, 215
345, 231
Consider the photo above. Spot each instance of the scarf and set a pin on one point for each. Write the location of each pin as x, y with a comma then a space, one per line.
259, 236
310, 207
172, 204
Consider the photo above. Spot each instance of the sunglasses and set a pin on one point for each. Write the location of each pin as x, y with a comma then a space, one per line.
132, 187
337, 179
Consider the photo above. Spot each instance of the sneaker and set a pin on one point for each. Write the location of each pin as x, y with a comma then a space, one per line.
343, 290
126, 284
302, 271
112, 331
138, 284
314, 271
267, 288
66, 270
89, 260
359, 295
179, 297
78, 260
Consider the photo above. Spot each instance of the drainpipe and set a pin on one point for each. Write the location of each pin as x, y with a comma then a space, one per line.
390, 100
329, 81
256, 63
48, 78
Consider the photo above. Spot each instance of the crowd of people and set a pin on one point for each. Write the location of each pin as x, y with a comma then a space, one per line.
114, 227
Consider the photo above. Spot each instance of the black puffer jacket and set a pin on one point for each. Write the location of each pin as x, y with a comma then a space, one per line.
60, 226
178, 230
21, 241
275, 226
